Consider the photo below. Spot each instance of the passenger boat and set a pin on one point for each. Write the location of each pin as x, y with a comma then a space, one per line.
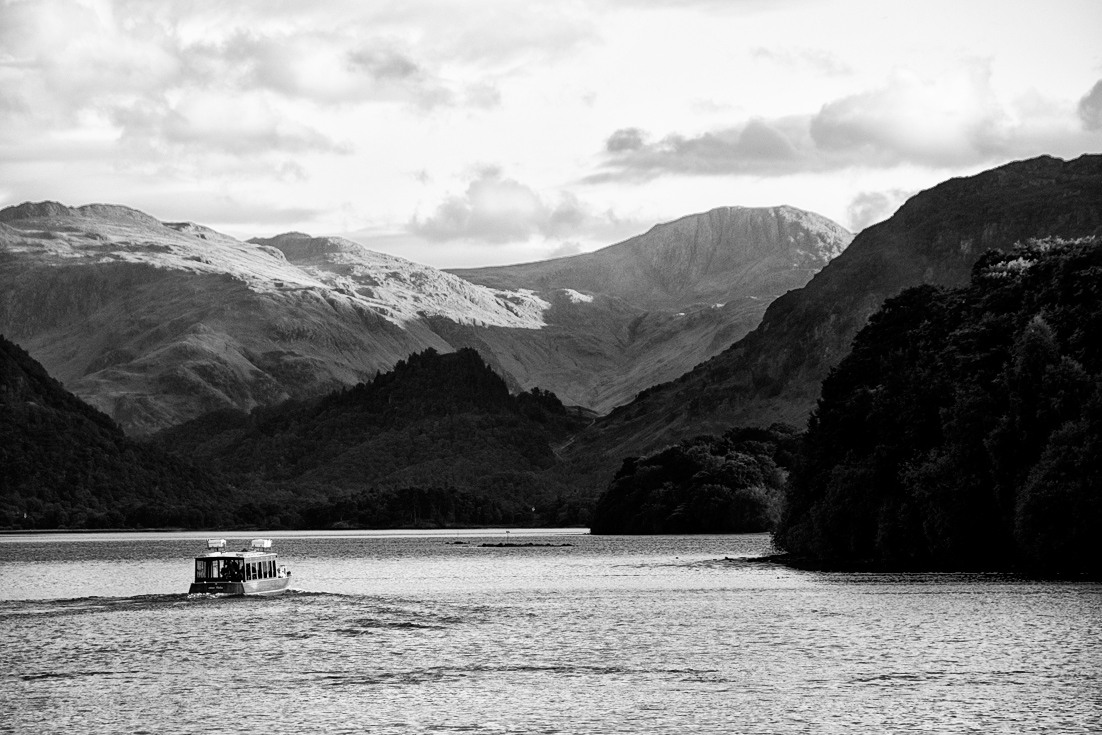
251, 571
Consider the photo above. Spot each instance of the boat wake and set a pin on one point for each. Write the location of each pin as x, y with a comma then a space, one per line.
86, 605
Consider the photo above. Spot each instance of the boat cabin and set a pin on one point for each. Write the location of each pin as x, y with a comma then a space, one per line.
219, 565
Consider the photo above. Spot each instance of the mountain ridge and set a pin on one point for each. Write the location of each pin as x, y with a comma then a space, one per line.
156, 323
773, 374
700, 258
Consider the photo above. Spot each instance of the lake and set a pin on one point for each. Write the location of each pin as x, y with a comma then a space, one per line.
410, 632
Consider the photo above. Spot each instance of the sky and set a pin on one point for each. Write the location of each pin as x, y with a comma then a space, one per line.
464, 133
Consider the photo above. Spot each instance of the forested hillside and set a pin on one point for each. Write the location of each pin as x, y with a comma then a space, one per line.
965, 427
443, 425
65, 464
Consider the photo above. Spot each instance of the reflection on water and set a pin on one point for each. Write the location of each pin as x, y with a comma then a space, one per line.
393, 633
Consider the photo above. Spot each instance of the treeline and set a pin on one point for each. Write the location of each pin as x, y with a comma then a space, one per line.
727, 484
965, 427
437, 508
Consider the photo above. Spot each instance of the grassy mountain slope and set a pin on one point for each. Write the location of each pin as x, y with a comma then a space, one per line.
774, 373
158, 322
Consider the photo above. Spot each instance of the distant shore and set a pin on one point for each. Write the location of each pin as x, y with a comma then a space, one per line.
809, 564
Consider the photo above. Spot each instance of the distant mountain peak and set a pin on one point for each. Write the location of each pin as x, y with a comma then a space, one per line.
35, 210
710, 257
52, 210
300, 246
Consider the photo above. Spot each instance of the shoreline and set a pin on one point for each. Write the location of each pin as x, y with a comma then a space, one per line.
808, 564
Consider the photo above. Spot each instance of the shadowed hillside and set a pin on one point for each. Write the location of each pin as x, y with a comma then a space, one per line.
63, 464
433, 422
775, 372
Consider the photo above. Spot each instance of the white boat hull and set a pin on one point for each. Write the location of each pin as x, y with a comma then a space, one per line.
254, 587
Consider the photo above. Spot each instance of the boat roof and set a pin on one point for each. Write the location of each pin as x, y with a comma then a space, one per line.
236, 555
258, 548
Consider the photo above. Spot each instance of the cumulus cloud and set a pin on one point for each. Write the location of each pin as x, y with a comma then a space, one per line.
625, 139
870, 207
327, 67
1090, 107
946, 122
565, 249
756, 147
496, 209
159, 72
238, 125
953, 120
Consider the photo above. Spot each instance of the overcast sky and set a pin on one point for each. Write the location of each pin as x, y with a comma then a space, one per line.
460, 133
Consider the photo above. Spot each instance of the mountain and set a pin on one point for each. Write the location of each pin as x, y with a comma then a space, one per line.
774, 373
964, 429
726, 253
65, 464
646, 310
156, 323
436, 422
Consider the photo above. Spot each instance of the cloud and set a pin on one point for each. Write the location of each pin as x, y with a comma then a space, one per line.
485, 95
870, 207
493, 209
948, 122
237, 125
326, 67
818, 60
756, 147
148, 66
496, 209
565, 249
1090, 107
625, 139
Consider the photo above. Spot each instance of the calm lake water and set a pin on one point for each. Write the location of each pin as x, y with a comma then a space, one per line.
413, 632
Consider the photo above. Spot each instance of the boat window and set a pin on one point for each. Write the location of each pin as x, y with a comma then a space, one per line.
209, 569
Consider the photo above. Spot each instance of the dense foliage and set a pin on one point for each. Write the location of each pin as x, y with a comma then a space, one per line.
727, 484
438, 440
65, 464
965, 427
